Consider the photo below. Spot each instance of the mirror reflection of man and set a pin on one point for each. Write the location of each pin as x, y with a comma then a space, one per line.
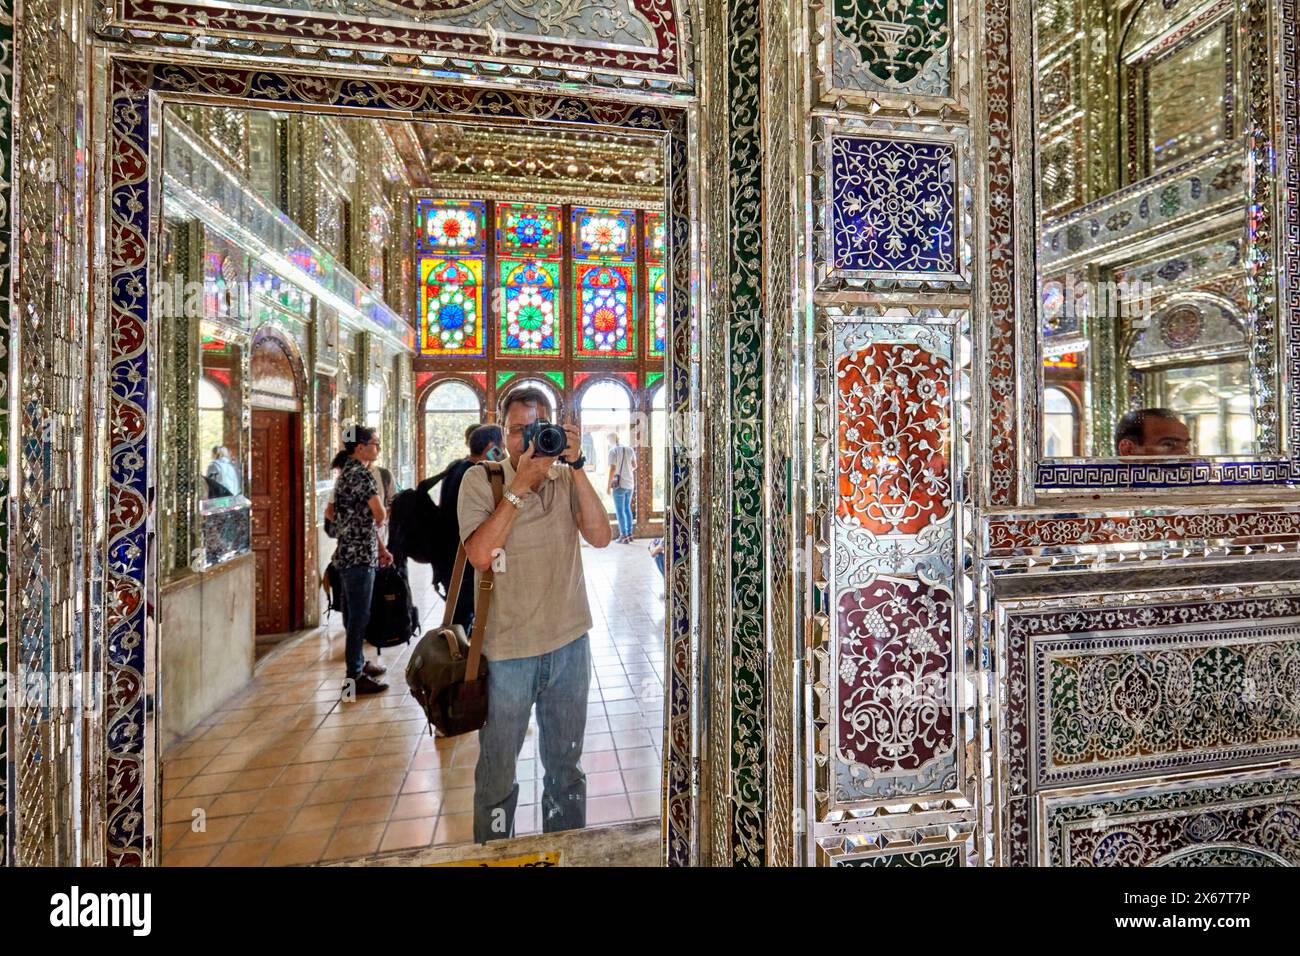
537, 626
1152, 433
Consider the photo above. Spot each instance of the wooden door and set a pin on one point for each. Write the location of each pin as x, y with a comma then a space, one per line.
271, 490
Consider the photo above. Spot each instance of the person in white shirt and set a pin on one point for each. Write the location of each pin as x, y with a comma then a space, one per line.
622, 482
222, 474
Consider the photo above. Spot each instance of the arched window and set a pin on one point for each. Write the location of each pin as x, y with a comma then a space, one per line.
541, 385
212, 421
449, 409
606, 410
1060, 424
658, 450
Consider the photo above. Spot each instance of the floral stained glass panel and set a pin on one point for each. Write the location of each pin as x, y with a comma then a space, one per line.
656, 237
604, 234
451, 307
447, 227
658, 310
530, 307
529, 230
606, 310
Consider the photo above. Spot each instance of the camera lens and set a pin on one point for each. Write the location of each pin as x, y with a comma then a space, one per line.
551, 440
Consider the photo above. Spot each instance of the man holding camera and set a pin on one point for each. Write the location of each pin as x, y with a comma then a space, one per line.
536, 639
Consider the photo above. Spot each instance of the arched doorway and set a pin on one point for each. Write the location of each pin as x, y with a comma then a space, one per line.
605, 408
275, 486
450, 407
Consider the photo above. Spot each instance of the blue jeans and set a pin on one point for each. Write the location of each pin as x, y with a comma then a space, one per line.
358, 585
623, 508
557, 682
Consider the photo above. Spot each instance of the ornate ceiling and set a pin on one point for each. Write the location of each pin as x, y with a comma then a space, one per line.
605, 41
556, 165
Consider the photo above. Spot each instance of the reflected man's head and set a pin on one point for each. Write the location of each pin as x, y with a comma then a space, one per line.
522, 407
1152, 432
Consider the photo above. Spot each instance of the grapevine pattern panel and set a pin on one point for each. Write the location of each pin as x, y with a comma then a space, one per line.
894, 549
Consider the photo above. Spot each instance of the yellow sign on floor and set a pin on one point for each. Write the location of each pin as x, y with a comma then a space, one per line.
531, 859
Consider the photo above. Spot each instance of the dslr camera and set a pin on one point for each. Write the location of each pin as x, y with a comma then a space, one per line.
548, 440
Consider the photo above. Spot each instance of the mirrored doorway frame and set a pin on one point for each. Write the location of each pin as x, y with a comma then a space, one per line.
137, 84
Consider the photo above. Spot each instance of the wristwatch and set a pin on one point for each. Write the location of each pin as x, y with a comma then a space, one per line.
514, 499
579, 462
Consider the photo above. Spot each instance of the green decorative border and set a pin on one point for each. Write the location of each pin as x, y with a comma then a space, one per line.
746, 412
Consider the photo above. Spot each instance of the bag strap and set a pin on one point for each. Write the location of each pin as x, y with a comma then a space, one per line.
498, 479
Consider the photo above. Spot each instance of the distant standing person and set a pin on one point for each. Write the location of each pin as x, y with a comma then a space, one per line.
222, 474
622, 482
358, 513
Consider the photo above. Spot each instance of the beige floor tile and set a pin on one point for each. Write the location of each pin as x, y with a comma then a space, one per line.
297, 849
642, 778
331, 791
215, 830
198, 856
340, 769
268, 824
612, 809
234, 804
244, 853
351, 842
404, 834
417, 805
379, 785
303, 773
604, 783
284, 796
322, 816
458, 801
186, 766
645, 804
368, 810
454, 828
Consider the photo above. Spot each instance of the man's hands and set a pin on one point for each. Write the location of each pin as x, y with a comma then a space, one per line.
385, 556
574, 451
531, 471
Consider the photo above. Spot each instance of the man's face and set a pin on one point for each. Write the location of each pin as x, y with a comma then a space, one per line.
519, 415
1163, 437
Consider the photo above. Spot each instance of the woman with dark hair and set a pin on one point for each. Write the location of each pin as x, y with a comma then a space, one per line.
357, 513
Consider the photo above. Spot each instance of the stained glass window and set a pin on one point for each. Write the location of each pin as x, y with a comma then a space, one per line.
451, 307
530, 307
658, 310
656, 237
528, 230
450, 227
604, 234
606, 309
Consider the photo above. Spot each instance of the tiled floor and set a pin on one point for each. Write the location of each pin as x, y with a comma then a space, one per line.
286, 773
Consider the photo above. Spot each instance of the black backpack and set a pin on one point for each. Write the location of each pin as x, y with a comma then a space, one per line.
423, 531
393, 617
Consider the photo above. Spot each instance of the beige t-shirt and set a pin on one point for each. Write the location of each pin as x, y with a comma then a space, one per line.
539, 603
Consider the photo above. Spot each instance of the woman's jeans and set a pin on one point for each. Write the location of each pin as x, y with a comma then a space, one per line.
557, 682
358, 585
623, 508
